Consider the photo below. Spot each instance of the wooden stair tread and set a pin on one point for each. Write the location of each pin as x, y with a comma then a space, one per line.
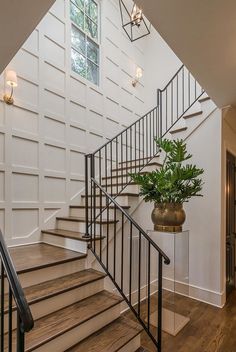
41, 255
181, 129
111, 338
69, 234
201, 100
78, 219
128, 194
65, 319
51, 288
193, 115
133, 166
97, 207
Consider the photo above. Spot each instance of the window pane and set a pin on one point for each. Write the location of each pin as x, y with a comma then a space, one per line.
93, 51
77, 15
78, 39
78, 63
91, 9
92, 72
91, 28
79, 3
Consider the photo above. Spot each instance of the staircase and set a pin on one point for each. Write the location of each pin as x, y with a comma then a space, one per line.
76, 298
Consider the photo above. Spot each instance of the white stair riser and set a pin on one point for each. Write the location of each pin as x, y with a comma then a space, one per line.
133, 345
60, 301
52, 272
80, 226
81, 213
115, 189
133, 170
72, 337
122, 200
74, 245
132, 163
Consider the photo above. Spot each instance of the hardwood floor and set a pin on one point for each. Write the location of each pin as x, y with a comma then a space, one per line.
210, 329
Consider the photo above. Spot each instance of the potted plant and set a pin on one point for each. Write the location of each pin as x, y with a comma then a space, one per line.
170, 186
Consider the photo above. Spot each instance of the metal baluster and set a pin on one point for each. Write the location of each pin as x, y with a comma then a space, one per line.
189, 89
135, 146
126, 153
139, 144
2, 306
122, 171
149, 289
114, 254
143, 138
130, 262
146, 135
86, 198
20, 335
159, 329
117, 172
91, 201
107, 244
130, 135
150, 135
183, 100
122, 251
153, 129
166, 109
172, 104
94, 206
106, 165
111, 169
9, 320
100, 201
139, 271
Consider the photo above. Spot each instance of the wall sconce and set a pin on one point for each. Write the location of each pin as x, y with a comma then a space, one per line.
11, 80
138, 75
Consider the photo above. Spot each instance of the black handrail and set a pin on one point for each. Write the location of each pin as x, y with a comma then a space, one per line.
107, 175
25, 320
112, 200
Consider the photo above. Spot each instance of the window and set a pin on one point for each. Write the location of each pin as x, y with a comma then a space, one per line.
84, 15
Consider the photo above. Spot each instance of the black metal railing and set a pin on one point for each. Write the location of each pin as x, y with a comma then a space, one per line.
178, 96
107, 174
15, 311
126, 258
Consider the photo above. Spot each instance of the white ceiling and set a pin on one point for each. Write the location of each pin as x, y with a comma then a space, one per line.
18, 19
202, 33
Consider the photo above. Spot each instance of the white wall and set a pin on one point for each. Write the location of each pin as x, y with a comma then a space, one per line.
203, 215
58, 116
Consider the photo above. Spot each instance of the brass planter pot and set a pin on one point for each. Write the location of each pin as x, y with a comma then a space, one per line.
168, 217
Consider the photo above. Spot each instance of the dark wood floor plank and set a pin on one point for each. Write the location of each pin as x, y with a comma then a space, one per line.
41, 255
57, 323
111, 338
210, 329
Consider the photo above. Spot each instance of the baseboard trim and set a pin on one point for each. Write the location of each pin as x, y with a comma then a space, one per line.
198, 293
